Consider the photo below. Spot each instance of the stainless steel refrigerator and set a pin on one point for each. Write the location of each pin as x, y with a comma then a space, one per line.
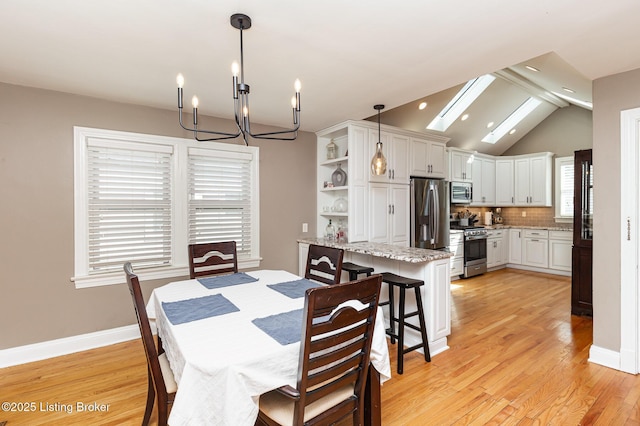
429, 213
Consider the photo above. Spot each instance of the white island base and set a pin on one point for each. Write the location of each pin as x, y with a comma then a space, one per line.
430, 266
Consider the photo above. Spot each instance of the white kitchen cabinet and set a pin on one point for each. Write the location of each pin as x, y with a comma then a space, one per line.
483, 171
532, 180
456, 246
352, 139
515, 246
389, 214
504, 182
428, 158
497, 248
395, 148
460, 169
535, 248
560, 246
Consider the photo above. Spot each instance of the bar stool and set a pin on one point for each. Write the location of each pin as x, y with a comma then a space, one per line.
404, 283
355, 270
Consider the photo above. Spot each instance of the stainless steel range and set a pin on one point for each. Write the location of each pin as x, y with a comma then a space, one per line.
475, 250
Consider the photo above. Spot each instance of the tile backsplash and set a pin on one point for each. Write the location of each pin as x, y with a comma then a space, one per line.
535, 216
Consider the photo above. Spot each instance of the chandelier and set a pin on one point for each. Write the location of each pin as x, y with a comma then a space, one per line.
241, 102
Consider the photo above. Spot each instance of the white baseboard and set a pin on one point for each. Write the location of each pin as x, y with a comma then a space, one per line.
52, 348
605, 357
536, 269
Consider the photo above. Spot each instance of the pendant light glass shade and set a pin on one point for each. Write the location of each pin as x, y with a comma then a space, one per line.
378, 162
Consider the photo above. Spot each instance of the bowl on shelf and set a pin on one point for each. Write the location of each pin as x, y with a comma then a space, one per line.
340, 205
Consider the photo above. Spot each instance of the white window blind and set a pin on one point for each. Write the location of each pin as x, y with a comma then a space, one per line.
220, 198
129, 205
566, 189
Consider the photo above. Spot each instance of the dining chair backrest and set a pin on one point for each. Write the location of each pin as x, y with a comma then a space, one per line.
160, 378
324, 264
212, 259
335, 347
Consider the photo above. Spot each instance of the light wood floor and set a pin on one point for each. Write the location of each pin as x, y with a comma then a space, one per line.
517, 357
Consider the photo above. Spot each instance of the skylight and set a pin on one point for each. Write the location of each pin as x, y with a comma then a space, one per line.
510, 122
460, 102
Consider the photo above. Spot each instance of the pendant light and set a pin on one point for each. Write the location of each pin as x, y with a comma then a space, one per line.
378, 162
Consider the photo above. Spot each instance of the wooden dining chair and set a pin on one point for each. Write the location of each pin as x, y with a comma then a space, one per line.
160, 377
324, 264
212, 259
334, 358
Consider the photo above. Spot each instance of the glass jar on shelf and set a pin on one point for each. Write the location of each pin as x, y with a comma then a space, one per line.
330, 232
332, 150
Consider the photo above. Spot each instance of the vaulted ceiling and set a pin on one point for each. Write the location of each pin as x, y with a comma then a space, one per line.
349, 55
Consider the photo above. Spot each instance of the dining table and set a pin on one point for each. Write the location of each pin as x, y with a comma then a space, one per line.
231, 338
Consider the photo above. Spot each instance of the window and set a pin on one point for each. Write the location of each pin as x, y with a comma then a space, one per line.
144, 198
564, 189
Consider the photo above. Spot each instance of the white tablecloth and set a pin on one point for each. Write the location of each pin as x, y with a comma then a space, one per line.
223, 364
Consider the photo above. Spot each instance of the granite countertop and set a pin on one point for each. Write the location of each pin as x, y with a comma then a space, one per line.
548, 228
388, 251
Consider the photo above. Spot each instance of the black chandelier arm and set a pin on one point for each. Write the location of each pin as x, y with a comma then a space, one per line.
195, 130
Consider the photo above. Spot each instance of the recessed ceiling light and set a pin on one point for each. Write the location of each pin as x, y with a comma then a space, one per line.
512, 131
566, 89
422, 105
464, 117
530, 68
490, 124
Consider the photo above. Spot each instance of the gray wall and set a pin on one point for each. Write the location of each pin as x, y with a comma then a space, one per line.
611, 95
39, 302
564, 131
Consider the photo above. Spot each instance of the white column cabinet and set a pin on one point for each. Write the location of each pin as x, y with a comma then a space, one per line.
456, 246
483, 171
504, 182
428, 158
389, 214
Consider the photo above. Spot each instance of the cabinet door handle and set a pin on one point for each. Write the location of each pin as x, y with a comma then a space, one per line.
389, 173
389, 208
511, 200
393, 209
394, 173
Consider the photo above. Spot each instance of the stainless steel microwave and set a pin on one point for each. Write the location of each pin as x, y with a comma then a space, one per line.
461, 192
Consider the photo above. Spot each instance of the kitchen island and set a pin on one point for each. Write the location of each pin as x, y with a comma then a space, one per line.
431, 266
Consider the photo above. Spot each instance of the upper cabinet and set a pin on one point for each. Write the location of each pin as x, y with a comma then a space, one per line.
395, 148
505, 195
428, 158
483, 171
520, 180
460, 169
532, 180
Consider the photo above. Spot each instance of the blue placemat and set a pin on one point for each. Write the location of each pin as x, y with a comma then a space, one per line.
294, 289
199, 308
284, 328
226, 280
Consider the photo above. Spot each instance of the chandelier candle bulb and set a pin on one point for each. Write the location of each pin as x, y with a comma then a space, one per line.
194, 102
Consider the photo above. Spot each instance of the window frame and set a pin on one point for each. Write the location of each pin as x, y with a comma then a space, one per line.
179, 265
559, 163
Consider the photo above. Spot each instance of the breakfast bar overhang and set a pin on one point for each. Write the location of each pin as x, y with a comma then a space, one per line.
431, 266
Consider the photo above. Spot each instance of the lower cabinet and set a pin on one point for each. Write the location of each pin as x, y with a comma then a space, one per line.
560, 245
497, 248
535, 248
456, 246
515, 246
389, 214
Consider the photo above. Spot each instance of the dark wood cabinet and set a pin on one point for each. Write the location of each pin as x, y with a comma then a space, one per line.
582, 252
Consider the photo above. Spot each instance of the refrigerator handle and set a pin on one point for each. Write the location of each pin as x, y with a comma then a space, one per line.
436, 214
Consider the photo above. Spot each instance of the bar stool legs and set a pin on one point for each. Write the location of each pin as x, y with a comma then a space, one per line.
403, 284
